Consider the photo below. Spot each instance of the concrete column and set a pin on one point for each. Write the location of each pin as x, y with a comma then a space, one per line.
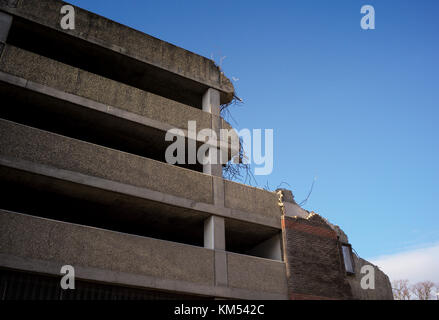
211, 101
211, 104
5, 26
214, 229
214, 233
214, 238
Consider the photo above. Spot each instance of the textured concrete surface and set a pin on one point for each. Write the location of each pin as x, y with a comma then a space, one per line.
22, 142
43, 246
383, 287
250, 199
256, 274
245, 228
72, 80
36, 238
127, 41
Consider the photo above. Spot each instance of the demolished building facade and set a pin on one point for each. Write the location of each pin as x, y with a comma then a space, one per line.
83, 119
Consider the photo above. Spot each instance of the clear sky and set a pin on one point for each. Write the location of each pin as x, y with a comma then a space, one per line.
357, 109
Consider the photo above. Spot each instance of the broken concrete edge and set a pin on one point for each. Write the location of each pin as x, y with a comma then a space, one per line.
290, 208
214, 78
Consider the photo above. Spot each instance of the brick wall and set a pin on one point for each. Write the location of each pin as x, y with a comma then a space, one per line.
312, 253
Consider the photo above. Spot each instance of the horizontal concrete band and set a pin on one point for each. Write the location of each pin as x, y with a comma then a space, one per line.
42, 245
92, 91
49, 154
149, 122
26, 143
68, 79
126, 41
130, 190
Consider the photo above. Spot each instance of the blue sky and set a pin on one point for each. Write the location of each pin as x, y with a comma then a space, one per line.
357, 109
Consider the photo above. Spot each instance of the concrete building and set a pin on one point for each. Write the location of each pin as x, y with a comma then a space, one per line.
83, 118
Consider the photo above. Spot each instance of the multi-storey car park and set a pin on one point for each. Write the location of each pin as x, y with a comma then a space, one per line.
84, 180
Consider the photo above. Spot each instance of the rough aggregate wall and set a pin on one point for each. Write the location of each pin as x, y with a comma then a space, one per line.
120, 38
42, 239
38, 146
48, 72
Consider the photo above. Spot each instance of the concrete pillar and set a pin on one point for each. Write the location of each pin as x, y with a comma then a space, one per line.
214, 233
214, 238
214, 229
5, 26
211, 104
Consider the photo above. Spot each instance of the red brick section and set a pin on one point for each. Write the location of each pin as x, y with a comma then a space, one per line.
312, 253
315, 230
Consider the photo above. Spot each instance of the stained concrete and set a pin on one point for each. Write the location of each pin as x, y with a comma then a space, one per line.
43, 246
250, 199
51, 73
114, 206
65, 243
162, 60
53, 110
22, 142
256, 273
113, 72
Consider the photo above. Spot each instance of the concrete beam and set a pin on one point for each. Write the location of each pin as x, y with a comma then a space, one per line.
135, 191
90, 105
136, 280
155, 60
255, 273
67, 79
187, 268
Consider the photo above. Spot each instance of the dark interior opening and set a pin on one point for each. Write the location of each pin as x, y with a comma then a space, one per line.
242, 237
85, 55
50, 114
19, 285
62, 200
